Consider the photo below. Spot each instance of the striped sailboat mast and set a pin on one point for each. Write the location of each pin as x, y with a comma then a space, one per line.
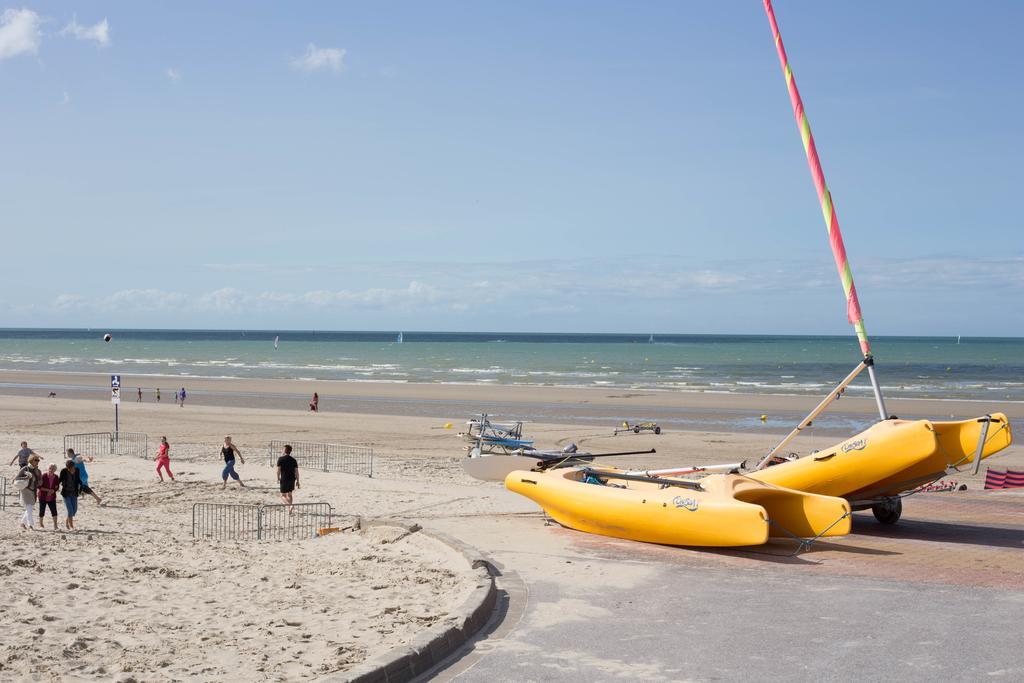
828, 211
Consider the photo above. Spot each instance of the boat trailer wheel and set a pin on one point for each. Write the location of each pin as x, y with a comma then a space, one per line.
888, 511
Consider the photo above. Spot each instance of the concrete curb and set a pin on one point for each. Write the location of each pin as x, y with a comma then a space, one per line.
441, 640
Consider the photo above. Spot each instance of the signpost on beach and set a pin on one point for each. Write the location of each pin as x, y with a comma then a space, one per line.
115, 398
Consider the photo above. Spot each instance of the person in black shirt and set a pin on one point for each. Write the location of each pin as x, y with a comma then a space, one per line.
288, 476
70, 487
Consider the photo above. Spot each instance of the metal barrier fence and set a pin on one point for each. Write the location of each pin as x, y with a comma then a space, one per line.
130, 443
225, 522
326, 457
233, 522
108, 443
304, 521
94, 444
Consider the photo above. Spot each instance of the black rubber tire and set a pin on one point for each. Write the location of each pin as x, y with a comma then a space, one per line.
888, 512
636, 430
657, 430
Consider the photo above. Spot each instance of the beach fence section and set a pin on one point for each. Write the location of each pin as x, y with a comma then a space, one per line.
304, 520
1007, 479
326, 457
234, 522
108, 443
3, 493
226, 522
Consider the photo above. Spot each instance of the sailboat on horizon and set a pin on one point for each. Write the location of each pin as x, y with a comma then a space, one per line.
398, 339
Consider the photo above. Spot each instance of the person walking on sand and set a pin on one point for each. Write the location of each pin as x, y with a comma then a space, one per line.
70, 487
23, 455
229, 451
48, 495
83, 474
181, 396
27, 482
288, 476
158, 394
138, 395
314, 405
163, 459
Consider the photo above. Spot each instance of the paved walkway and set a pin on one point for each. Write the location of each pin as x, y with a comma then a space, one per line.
939, 596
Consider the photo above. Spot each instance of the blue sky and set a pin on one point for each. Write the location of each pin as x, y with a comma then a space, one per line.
560, 166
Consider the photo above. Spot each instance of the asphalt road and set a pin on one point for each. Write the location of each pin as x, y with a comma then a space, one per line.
928, 599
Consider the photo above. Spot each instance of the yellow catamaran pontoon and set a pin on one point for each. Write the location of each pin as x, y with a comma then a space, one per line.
719, 510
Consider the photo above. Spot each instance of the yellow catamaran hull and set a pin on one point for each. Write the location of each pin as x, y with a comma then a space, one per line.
729, 510
890, 458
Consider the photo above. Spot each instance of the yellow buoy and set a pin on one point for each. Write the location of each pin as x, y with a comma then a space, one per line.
764, 418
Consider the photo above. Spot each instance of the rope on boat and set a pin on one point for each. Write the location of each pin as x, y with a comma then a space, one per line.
805, 543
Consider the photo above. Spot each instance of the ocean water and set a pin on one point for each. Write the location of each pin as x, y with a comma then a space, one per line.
924, 367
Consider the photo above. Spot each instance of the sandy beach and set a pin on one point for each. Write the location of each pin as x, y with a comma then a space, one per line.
150, 602
131, 595
574, 405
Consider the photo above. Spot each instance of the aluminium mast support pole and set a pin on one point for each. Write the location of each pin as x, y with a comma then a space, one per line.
818, 410
876, 387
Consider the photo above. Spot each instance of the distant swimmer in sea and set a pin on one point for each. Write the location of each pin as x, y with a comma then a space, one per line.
163, 459
229, 451
314, 405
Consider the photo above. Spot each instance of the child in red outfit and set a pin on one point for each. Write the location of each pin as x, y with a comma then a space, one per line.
163, 459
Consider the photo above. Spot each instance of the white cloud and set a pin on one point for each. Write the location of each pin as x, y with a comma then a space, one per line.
65, 98
233, 300
236, 266
173, 74
561, 290
142, 299
19, 33
935, 273
330, 58
68, 301
99, 32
